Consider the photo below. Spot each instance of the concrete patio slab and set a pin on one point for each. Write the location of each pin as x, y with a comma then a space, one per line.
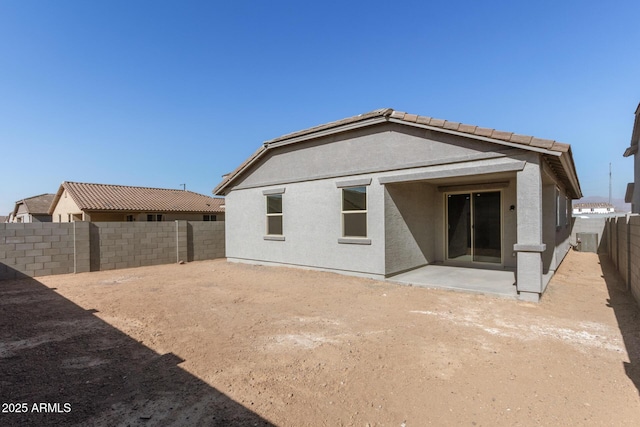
488, 282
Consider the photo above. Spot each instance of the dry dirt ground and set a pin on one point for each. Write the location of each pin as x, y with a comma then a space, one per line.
215, 343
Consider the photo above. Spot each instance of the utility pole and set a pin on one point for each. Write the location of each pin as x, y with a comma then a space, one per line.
609, 182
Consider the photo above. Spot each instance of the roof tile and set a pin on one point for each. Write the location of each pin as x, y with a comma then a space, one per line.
559, 146
424, 120
480, 131
126, 198
501, 135
466, 128
451, 125
437, 122
410, 118
542, 143
521, 139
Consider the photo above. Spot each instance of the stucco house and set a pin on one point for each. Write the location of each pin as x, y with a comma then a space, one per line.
32, 209
386, 192
633, 188
77, 201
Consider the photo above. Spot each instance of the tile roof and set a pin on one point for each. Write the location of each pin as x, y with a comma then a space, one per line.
103, 197
390, 115
37, 204
592, 205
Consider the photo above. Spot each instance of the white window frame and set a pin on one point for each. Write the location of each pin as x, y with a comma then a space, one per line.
342, 185
364, 211
279, 192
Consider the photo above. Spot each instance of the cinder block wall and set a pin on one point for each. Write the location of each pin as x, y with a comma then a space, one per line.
206, 240
634, 257
39, 249
133, 244
624, 250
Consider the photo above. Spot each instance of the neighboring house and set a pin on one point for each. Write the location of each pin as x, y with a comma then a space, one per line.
76, 201
386, 192
593, 208
633, 188
4, 219
33, 209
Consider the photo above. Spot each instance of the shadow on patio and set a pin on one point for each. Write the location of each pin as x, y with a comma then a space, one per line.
627, 314
53, 351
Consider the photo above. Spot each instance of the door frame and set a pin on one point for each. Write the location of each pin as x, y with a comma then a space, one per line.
445, 228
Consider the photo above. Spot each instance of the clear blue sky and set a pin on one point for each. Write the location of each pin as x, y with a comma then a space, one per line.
160, 93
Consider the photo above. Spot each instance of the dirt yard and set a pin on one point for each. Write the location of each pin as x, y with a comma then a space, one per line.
215, 343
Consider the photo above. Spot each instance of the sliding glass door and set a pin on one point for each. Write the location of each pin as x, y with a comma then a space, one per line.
474, 227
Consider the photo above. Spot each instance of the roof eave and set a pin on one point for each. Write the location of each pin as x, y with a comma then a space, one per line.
55, 200
631, 151
478, 137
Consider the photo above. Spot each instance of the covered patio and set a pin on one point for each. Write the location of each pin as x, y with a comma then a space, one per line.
499, 283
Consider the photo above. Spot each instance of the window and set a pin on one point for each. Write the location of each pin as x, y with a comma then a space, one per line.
154, 217
557, 207
354, 212
274, 214
130, 218
568, 211
208, 217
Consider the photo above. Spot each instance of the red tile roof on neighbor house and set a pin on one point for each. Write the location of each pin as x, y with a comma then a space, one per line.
558, 154
103, 197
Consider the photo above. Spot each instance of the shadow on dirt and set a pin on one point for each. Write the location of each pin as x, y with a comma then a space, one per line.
86, 372
627, 314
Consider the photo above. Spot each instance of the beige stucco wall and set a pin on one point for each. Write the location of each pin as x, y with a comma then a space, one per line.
65, 207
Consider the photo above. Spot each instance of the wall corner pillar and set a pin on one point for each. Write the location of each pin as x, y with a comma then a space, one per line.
182, 246
81, 247
529, 247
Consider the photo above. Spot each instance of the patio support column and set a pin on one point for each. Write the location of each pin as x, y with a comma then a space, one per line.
529, 246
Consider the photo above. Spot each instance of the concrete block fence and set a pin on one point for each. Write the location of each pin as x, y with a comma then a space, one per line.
40, 249
623, 244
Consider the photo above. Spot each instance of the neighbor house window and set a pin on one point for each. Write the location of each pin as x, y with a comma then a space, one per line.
208, 217
354, 212
130, 218
154, 217
274, 214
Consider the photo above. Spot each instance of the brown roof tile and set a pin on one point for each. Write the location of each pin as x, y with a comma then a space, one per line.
521, 139
501, 135
451, 125
437, 122
103, 197
483, 131
466, 128
423, 120
410, 117
542, 143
